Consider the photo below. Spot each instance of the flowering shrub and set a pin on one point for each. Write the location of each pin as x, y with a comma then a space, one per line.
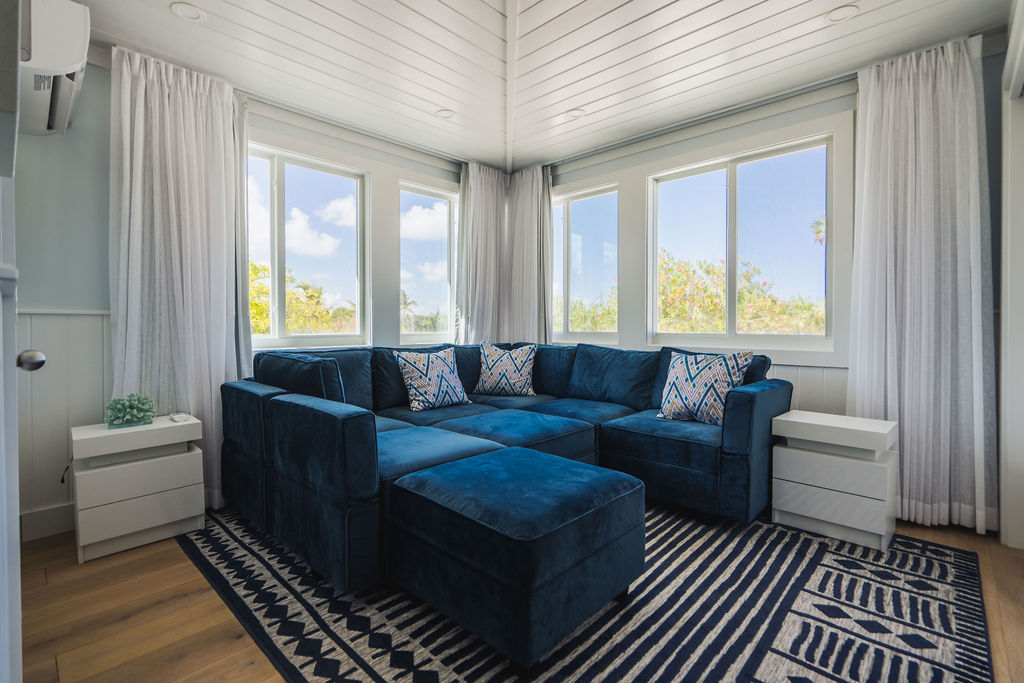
306, 311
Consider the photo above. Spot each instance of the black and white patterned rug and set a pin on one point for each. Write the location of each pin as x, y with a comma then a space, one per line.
717, 601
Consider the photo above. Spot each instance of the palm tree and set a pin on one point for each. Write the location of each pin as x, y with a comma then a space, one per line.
818, 228
405, 304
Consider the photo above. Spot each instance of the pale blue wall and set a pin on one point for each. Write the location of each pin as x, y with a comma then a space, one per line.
61, 196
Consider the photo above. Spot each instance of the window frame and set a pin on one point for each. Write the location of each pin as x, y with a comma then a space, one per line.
279, 337
428, 338
566, 336
828, 343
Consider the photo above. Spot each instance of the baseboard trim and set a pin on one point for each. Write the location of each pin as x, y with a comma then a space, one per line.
47, 521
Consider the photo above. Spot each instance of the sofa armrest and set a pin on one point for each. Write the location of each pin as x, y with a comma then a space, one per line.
326, 446
244, 405
749, 409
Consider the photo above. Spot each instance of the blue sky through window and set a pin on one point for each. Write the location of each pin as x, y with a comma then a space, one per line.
779, 199
593, 247
424, 248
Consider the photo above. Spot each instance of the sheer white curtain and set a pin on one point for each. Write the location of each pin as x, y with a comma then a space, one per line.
921, 349
481, 240
527, 266
173, 261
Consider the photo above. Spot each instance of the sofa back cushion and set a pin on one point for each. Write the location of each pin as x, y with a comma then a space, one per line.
614, 375
300, 373
388, 386
356, 373
552, 366
757, 371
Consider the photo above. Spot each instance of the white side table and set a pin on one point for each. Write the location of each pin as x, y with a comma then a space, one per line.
836, 476
135, 485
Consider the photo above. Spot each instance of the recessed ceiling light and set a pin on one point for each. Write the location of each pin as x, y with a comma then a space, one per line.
842, 13
444, 113
575, 113
188, 12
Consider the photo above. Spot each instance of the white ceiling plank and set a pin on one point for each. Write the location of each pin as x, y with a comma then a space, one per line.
511, 31
437, 18
584, 23
360, 88
754, 86
536, 13
670, 48
482, 14
512, 69
450, 138
350, 48
407, 23
672, 20
813, 39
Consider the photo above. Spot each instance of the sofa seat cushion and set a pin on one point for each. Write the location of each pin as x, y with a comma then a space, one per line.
510, 402
402, 451
518, 515
548, 433
434, 415
388, 424
646, 436
594, 412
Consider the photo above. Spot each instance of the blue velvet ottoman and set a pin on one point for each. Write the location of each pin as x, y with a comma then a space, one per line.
518, 546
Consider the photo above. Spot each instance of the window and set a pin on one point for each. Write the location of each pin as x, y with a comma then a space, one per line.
741, 246
305, 245
427, 248
586, 266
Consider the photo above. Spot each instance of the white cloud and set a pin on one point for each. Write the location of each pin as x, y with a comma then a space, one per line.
340, 211
300, 237
421, 223
259, 223
433, 271
406, 275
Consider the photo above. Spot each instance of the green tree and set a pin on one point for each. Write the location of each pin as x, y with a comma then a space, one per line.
306, 310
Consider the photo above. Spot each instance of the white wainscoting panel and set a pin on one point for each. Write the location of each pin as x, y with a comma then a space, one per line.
818, 389
70, 390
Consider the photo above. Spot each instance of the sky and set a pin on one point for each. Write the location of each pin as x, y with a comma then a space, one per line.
778, 200
321, 247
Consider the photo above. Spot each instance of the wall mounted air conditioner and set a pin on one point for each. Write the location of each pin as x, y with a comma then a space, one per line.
52, 77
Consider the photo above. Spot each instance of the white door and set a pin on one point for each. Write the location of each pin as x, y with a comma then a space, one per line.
10, 537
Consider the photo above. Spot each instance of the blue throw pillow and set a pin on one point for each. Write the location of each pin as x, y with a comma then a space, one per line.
697, 385
506, 373
431, 379
300, 373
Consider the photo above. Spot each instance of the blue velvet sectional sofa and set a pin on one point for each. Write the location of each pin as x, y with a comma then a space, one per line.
311, 457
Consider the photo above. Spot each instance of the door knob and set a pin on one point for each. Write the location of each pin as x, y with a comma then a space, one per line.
30, 360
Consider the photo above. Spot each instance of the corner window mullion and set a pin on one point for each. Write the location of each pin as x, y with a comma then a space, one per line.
731, 267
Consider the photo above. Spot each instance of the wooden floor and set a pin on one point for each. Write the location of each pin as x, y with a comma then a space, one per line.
141, 615
148, 614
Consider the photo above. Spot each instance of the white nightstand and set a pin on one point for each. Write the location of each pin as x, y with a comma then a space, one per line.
836, 476
135, 485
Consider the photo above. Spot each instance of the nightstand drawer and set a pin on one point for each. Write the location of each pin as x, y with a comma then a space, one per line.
128, 516
104, 485
858, 512
869, 478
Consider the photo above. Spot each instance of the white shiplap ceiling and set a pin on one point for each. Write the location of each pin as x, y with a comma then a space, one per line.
513, 70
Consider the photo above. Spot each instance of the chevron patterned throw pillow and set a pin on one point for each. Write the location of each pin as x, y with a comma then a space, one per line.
697, 385
506, 373
431, 379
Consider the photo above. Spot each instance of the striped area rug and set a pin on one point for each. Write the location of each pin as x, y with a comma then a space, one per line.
717, 601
